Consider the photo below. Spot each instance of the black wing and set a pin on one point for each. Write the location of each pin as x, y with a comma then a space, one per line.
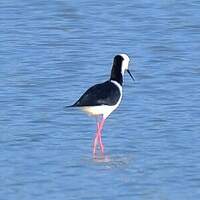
106, 93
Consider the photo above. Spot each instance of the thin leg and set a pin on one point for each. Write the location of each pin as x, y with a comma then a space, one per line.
98, 137
101, 144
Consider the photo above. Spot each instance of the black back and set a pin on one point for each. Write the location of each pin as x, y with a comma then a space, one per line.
116, 74
106, 93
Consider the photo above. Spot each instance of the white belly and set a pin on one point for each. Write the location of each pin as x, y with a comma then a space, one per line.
104, 110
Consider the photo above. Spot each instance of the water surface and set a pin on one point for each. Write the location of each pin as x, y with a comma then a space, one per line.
51, 52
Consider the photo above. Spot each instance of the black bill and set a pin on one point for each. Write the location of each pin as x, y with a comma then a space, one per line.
131, 75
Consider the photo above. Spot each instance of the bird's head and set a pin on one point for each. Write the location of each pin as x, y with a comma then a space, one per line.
122, 61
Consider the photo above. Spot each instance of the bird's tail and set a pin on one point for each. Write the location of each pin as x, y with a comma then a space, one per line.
70, 106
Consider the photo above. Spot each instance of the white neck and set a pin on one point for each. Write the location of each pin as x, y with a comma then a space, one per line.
124, 63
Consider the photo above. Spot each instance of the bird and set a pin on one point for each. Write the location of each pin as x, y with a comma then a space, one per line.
102, 99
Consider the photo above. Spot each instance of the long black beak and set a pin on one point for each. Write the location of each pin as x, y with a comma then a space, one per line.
131, 75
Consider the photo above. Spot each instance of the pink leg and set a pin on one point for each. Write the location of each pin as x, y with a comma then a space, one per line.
101, 144
98, 137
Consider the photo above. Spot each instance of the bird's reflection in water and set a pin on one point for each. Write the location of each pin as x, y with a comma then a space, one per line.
114, 161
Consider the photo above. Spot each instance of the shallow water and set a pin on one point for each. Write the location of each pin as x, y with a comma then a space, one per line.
51, 51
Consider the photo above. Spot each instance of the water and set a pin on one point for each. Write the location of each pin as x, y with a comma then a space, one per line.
51, 51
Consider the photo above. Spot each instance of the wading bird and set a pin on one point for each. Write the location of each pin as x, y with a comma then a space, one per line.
102, 99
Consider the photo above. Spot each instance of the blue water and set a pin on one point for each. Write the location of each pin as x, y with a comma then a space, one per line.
51, 52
